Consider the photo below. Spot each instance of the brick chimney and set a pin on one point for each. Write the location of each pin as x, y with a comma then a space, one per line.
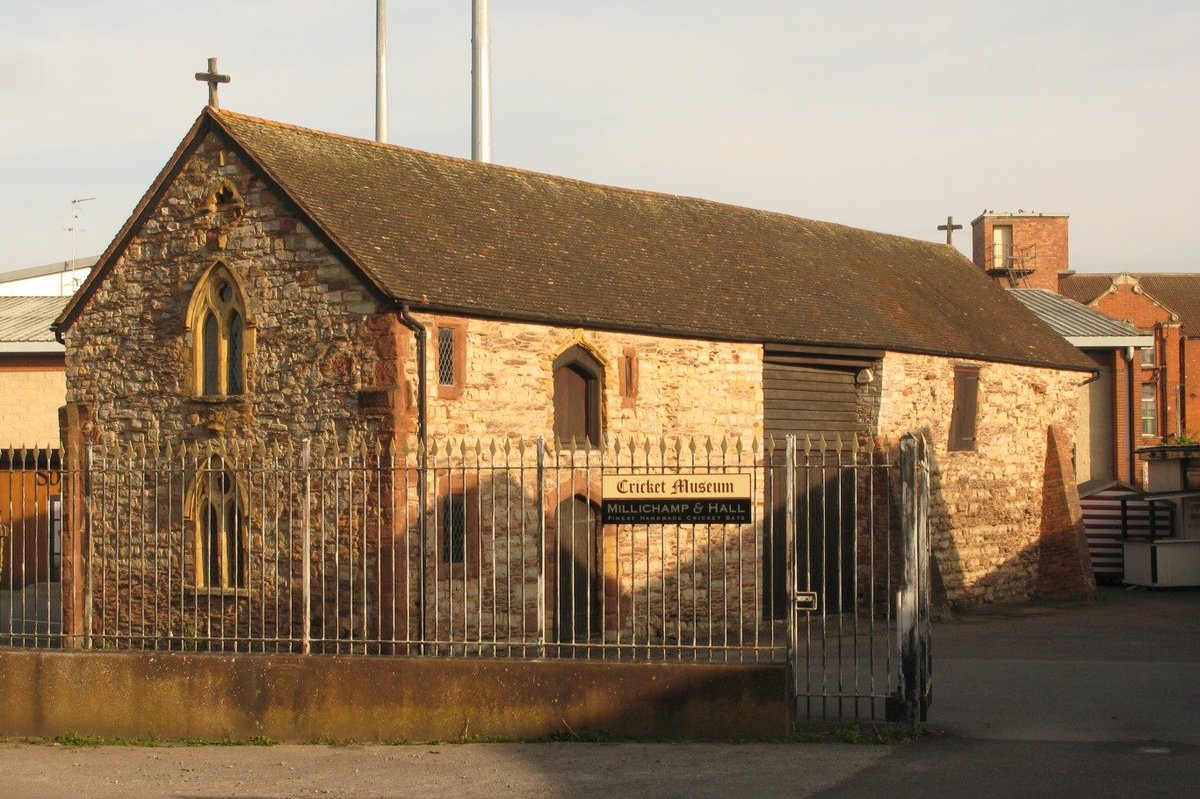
1022, 249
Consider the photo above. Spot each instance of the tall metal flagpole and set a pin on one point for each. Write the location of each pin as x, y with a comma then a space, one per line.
381, 70
481, 81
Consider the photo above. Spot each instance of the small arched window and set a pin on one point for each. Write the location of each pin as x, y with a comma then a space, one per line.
219, 327
220, 529
578, 394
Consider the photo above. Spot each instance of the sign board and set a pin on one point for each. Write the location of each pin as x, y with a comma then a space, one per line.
678, 498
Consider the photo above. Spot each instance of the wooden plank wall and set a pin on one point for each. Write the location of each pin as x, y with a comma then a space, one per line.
27, 484
808, 401
812, 393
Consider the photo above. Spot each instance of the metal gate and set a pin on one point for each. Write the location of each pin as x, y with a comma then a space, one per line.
858, 556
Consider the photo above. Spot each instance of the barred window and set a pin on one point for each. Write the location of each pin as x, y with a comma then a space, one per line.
446, 357
450, 354
454, 529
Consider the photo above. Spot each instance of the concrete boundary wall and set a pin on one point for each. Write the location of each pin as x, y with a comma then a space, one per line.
299, 699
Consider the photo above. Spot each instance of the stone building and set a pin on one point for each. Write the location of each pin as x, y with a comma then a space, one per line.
281, 283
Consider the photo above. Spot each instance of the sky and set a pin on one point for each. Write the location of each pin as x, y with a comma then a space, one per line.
888, 116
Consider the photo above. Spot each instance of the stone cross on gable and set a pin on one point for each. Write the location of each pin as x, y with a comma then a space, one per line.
949, 227
212, 78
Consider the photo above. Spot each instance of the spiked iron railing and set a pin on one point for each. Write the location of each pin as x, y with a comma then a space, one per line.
328, 547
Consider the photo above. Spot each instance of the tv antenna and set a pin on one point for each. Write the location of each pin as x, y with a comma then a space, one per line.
73, 229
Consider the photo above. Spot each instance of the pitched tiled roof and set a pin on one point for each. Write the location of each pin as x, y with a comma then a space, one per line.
1084, 288
1179, 292
25, 323
461, 236
1076, 322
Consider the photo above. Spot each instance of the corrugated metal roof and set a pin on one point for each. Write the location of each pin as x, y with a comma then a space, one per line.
26, 321
1072, 320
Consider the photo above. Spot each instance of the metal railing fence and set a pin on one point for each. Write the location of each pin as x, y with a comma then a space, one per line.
485, 548
30, 546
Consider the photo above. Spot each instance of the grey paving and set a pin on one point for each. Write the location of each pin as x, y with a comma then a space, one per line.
1124, 668
1036, 700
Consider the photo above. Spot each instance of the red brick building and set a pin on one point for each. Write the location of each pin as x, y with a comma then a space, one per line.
1160, 384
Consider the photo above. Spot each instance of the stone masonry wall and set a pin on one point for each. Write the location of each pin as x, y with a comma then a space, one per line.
648, 584
986, 507
311, 340
129, 352
684, 387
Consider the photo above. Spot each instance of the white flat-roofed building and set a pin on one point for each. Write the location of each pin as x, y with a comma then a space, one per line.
59, 279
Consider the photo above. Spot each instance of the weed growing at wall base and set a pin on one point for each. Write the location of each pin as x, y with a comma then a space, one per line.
75, 739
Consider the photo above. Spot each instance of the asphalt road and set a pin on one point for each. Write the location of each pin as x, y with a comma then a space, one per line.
1035, 700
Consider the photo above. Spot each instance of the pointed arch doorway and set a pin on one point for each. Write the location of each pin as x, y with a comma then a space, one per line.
577, 616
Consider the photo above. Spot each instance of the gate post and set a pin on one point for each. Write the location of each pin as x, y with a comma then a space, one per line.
789, 537
305, 547
913, 629
541, 547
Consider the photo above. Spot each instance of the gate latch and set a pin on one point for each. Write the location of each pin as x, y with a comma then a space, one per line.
806, 601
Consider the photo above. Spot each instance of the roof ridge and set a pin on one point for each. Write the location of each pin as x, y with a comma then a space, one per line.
1133, 274
547, 176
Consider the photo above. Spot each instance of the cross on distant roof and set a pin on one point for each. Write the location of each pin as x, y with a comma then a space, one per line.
212, 78
949, 227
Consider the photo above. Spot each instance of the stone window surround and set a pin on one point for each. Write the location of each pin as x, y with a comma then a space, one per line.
198, 305
459, 326
199, 504
450, 483
583, 358
628, 374
225, 197
956, 440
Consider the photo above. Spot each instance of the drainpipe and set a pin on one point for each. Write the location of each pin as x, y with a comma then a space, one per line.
1129, 412
1179, 411
419, 333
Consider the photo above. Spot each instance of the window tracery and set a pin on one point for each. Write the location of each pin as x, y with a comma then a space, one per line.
218, 322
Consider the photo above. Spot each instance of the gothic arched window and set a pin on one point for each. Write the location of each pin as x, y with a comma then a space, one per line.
221, 533
218, 321
578, 393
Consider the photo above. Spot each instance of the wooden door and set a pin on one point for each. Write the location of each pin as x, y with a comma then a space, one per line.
577, 611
